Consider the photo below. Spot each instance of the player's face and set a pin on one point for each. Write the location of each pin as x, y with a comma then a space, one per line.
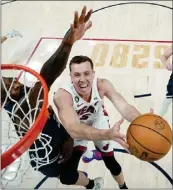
82, 76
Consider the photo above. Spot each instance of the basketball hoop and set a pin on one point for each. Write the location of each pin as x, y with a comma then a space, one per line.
37, 124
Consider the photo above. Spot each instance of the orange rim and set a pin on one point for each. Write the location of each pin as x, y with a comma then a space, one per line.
25, 143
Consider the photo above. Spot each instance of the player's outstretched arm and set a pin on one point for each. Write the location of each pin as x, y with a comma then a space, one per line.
164, 58
56, 64
70, 120
127, 111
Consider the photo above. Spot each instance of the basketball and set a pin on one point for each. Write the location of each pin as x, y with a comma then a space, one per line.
149, 137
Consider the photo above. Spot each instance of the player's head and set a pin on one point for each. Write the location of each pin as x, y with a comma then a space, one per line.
82, 74
15, 88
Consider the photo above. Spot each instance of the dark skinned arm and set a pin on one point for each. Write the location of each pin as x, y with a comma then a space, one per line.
56, 64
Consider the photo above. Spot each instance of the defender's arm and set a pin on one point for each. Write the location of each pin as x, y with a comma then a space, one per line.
56, 64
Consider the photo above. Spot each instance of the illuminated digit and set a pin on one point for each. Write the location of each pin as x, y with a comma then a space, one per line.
142, 52
99, 54
120, 56
158, 51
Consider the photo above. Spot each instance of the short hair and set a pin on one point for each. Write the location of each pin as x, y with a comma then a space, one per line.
80, 59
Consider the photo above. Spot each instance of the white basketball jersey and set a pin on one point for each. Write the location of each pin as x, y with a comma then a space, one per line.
87, 111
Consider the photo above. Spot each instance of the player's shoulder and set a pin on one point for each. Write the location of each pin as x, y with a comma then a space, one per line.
101, 82
63, 93
61, 96
102, 85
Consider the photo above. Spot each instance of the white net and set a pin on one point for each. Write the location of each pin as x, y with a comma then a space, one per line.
18, 116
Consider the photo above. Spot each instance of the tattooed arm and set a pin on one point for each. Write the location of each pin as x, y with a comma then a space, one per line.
56, 64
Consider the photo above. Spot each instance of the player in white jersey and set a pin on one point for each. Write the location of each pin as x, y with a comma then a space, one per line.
81, 111
90, 112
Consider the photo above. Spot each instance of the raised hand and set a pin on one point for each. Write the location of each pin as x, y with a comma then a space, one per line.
80, 25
